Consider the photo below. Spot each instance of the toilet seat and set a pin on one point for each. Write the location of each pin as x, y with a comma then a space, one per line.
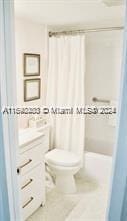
62, 158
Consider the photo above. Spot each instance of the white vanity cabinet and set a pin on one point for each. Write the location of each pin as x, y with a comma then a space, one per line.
31, 169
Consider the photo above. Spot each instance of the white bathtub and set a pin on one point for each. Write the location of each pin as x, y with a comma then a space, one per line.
98, 166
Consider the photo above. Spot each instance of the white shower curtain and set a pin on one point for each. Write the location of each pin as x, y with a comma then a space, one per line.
66, 88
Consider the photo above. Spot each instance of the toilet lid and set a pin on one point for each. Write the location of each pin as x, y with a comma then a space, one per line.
62, 158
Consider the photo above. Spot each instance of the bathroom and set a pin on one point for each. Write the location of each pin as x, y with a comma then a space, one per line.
90, 34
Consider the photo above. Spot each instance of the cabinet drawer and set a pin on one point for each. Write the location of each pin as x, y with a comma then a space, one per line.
32, 190
33, 183
30, 159
31, 205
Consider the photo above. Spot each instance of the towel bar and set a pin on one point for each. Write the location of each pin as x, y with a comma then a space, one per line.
94, 99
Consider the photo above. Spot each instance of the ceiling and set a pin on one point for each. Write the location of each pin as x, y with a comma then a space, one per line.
59, 13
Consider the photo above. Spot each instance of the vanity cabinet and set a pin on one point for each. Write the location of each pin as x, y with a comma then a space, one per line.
31, 169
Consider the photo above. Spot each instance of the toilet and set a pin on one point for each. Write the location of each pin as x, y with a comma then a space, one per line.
64, 165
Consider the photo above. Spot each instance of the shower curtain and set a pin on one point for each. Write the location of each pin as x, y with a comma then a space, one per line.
66, 89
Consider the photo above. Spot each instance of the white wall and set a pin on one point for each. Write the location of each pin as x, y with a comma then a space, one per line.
103, 63
103, 68
30, 38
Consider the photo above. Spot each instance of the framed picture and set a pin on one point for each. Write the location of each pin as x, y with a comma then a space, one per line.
31, 65
32, 89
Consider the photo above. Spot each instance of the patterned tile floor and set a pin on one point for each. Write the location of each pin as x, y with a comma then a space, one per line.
88, 204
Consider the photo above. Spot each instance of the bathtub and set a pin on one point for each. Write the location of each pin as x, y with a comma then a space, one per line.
98, 166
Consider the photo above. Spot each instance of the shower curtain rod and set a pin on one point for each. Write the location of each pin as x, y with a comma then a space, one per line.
84, 31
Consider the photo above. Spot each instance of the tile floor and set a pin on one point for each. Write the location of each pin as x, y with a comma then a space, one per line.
88, 204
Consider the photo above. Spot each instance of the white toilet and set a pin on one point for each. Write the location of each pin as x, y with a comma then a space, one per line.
64, 165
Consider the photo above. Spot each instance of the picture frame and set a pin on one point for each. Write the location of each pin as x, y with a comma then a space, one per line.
32, 89
31, 64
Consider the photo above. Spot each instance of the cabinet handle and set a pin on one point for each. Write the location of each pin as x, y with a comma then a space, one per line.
25, 164
25, 185
28, 202
18, 170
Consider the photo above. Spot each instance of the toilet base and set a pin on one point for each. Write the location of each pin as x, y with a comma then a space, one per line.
66, 184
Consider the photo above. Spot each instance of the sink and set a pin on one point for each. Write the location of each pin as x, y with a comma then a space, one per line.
28, 135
